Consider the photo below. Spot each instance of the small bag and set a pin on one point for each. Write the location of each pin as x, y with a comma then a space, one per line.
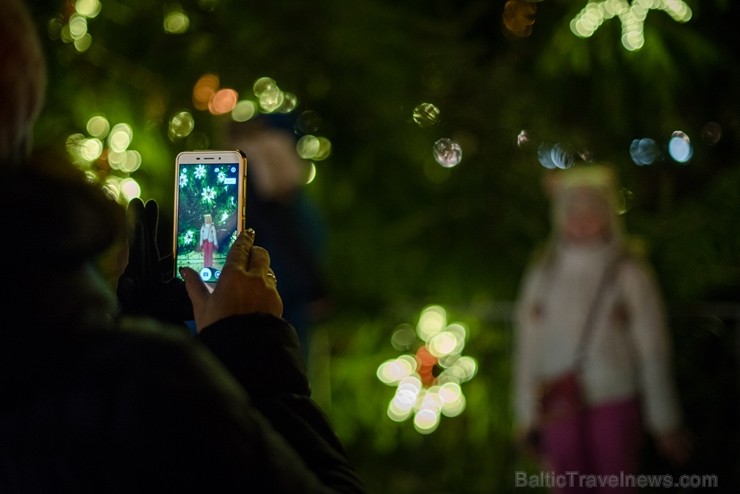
561, 398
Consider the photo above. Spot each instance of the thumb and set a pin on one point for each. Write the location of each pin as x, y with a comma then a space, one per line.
197, 290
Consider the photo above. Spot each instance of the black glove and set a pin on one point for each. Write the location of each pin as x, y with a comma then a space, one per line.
147, 286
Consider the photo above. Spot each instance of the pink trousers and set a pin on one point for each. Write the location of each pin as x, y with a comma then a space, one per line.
601, 446
207, 254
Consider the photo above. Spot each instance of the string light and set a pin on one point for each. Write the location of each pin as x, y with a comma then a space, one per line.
428, 383
106, 157
593, 15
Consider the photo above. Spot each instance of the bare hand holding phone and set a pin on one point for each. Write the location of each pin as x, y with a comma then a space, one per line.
247, 285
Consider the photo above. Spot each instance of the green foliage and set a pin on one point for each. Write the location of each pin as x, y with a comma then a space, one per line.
404, 232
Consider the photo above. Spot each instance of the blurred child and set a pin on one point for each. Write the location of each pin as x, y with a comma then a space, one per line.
593, 354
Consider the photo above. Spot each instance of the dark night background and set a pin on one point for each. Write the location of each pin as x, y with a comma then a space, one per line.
404, 232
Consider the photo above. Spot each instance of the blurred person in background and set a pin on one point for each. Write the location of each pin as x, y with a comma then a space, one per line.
593, 351
97, 402
291, 227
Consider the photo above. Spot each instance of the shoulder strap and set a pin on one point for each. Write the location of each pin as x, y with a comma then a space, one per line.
588, 324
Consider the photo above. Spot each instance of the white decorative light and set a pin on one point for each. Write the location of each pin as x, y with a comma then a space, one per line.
632, 16
428, 383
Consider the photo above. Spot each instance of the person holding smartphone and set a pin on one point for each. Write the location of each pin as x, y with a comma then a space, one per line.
95, 402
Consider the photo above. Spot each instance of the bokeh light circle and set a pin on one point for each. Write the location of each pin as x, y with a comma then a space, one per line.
403, 338
426, 115
680, 148
120, 137
447, 153
223, 101
307, 122
91, 149
88, 8
271, 99
77, 26
262, 85
132, 161
244, 110
130, 188
426, 421
626, 198
711, 133
176, 21
204, 89
523, 139
308, 146
644, 151
290, 103
181, 124
98, 126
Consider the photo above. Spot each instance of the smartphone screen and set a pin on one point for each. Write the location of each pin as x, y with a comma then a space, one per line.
210, 200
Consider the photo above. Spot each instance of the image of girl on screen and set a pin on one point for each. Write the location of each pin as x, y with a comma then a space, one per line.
208, 240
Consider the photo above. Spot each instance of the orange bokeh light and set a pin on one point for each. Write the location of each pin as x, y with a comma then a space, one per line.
223, 101
204, 90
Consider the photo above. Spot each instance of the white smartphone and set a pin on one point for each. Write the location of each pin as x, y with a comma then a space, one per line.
210, 208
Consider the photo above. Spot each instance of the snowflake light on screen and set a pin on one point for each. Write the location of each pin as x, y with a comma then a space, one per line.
428, 382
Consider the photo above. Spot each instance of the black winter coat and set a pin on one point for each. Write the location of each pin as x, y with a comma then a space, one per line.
143, 408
